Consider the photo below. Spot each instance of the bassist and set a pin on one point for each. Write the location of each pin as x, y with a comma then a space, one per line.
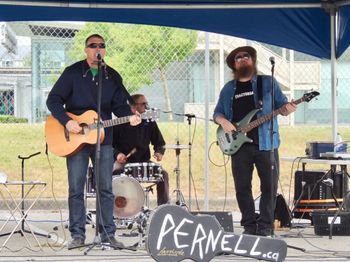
237, 98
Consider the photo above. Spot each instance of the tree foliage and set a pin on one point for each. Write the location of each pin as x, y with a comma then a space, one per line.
137, 52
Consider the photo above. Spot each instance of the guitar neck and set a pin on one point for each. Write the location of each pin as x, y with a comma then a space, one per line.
112, 122
265, 118
116, 121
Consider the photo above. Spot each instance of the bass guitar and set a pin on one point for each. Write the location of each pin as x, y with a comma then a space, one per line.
229, 143
63, 143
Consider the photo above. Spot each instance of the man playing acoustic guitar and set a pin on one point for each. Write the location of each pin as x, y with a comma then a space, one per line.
237, 98
76, 91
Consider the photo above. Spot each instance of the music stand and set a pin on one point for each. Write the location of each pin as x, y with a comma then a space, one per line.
23, 196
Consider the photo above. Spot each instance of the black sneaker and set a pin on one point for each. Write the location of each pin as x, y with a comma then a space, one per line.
249, 231
266, 232
75, 243
113, 242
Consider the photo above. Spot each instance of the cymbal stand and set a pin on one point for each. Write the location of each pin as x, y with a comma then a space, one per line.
179, 196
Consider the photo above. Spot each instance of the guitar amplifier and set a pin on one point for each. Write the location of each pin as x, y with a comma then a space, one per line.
311, 194
315, 148
224, 218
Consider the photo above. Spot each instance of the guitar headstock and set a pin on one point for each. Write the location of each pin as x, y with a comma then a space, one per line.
151, 114
308, 96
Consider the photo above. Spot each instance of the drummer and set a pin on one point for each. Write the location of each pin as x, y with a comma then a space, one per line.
131, 145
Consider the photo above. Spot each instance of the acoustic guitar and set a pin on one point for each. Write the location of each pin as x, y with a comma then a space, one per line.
63, 143
229, 143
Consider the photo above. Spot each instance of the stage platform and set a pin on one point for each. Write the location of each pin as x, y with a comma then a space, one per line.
301, 235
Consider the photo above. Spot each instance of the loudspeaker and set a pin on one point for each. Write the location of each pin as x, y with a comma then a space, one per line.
224, 218
310, 193
323, 219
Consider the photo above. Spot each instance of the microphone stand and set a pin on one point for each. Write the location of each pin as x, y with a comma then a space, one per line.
97, 239
272, 151
189, 119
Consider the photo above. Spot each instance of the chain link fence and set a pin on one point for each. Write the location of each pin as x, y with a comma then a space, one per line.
168, 66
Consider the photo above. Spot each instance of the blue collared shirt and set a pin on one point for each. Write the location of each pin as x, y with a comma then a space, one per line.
224, 107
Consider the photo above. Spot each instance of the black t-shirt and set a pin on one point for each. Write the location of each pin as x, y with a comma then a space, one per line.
243, 103
127, 137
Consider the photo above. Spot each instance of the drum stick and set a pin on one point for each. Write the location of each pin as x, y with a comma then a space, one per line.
118, 166
131, 152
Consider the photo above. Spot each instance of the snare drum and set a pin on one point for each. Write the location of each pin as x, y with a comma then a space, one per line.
144, 172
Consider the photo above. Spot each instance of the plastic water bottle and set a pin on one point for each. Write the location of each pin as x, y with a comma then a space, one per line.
338, 146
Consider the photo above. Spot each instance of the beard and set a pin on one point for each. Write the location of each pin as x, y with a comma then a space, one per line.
244, 71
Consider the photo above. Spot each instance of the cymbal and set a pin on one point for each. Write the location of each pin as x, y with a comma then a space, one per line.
176, 146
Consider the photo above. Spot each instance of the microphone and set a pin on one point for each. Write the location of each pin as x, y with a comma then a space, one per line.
189, 115
272, 60
98, 55
186, 115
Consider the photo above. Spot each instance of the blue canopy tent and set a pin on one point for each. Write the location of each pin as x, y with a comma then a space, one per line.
301, 25
316, 27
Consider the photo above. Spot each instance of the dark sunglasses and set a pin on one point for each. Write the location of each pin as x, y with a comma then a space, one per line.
143, 104
95, 45
244, 56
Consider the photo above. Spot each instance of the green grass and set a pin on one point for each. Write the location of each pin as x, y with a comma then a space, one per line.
26, 139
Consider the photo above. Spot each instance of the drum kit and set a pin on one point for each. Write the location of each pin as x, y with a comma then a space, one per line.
131, 199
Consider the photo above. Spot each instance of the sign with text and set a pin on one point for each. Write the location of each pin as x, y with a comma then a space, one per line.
174, 235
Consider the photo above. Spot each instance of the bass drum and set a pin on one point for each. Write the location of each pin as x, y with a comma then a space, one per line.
128, 196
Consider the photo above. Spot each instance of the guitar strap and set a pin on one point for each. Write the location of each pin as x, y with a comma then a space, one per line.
260, 91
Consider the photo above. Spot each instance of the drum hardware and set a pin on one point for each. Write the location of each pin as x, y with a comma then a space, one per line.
179, 196
90, 192
190, 139
141, 221
147, 190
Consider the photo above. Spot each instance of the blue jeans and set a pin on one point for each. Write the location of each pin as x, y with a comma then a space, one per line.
77, 169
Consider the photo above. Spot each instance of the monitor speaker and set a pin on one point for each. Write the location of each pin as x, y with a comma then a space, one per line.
224, 218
